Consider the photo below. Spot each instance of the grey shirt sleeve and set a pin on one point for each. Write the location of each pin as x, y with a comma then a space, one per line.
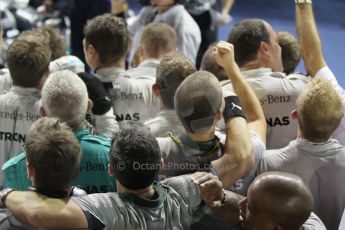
186, 189
313, 223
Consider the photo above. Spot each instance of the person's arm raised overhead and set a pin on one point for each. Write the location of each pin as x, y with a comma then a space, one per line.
309, 38
224, 55
238, 156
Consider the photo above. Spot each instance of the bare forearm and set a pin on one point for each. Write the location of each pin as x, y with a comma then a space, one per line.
40, 211
309, 39
238, 158
230, 212
227, 6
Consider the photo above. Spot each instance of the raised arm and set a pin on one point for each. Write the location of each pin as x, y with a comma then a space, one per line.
308, 37
40, 211
224, 55
238, 156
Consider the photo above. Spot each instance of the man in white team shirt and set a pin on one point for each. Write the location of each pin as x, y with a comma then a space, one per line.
105, 47
28, 60
157, 40
171, 12
171, 71
258, 54
315, 156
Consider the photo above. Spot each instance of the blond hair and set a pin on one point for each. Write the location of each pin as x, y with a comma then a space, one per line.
319, 110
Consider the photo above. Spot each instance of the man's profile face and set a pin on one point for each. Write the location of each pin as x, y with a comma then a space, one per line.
86, 54
252, 212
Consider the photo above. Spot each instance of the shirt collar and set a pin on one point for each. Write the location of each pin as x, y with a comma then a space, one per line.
25, 91
108, 74
80, 134
256, 72
150, 62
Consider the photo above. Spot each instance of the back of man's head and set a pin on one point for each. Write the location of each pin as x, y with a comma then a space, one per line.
208, 63
246, 36
282, 197
319, 110
158, 39
291, 54
64, 95
57, 43
171, 71
28, 59
135, 157
109, 36
54, 153
197, 101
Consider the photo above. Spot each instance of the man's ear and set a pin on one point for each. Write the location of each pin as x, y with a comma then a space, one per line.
30, 171
161, 164
110, 170
92, 54
89, 106
263, 49
219, 115
142, 51
43, 112
294, 115
155, 90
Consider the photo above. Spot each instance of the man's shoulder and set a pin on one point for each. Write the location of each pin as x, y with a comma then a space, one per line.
89, 141
17, 159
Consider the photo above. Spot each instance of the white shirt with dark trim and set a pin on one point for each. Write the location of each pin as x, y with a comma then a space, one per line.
132, 98
177, 199
277, 94
164, 123
322, 168
188, 34
19, 109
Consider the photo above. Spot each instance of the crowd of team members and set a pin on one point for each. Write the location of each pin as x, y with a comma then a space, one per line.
163, 145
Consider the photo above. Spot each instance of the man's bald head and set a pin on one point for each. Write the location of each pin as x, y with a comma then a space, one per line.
197, 101
283, 198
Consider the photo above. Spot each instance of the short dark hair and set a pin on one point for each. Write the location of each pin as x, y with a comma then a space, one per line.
54, 152
135, 157
157, 38
197, 101
28, 59
208, 63
291, 54
57, 43
109, 36
246, 37
171, 71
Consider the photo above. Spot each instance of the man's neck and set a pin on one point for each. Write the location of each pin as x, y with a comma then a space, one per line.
146, 193
202, 137
253, 65
78, 127
119, 64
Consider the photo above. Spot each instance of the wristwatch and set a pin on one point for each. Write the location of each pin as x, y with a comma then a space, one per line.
224, 200
303, 1
3, 195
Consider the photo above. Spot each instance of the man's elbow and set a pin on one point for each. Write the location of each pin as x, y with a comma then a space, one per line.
35, 218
